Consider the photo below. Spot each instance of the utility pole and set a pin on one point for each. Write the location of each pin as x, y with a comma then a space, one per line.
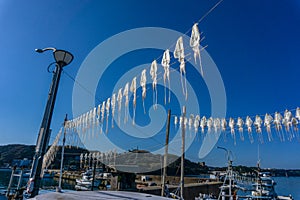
166, 154
182, 151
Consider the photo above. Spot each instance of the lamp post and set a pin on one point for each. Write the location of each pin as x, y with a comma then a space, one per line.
62, 58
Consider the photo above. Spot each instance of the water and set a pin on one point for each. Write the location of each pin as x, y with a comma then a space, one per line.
47, 182
285, 186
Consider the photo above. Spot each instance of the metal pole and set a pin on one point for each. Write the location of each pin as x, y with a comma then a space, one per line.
44, 133
182, 150
62, 155
166, 154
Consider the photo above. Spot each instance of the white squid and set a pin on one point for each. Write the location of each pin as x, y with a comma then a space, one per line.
257, 123
298, 113
231, 124
195, 44
249, 123
133, 90
119, 100
181, 121
240, 124
209, 124
98, 114
191, 121
125, 94
203, 124
287, 116
107, 112
196, 123
278, 127
143, 82
153, 73
217, 124
165, 62
267, 123
102, 115
295, 123
179, 54
223, 127
113, 109
175, 121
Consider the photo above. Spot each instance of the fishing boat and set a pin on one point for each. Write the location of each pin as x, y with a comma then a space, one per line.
264, 188
86, 182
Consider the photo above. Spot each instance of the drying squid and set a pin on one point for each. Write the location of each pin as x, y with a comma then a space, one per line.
179, 54
203, 124
165, 62
298, 113
191, 120
267, 123
249, 123
143, 85
125, 94
287, 116
196, 123
278, 127
119, 100
98, 114
195, 44
295, 123
231, 124
94, 121
295, 126
113, 109
257, 123
217, 124
209, 124
223, 128
175, 121
133, 90
102, 115
181, 121
153, 73
240, 124
107, 107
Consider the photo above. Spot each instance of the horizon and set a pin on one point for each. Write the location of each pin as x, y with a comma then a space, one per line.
254, 46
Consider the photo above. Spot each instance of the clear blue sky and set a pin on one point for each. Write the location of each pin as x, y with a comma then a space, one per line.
255, 45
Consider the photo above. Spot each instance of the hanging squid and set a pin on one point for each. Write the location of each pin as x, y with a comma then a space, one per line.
217, 124
179, 54
119, 100
195, 44
191, 121
298, 113
257, 123
107, 107
181, 121
94, 121
196, 123
267, 123
133, 90
175, 121
143, 82
223, 128
287, 116
113, 109
203, 124
125, 94
231, 124
295, 126
240, 124
102, 115
165, 62
249, 123
153, 73
278, 127
98, 114
209, 124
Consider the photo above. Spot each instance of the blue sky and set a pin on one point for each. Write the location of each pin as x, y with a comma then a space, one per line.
255, 45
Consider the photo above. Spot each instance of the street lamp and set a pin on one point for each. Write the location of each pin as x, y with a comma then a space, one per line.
62, 58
